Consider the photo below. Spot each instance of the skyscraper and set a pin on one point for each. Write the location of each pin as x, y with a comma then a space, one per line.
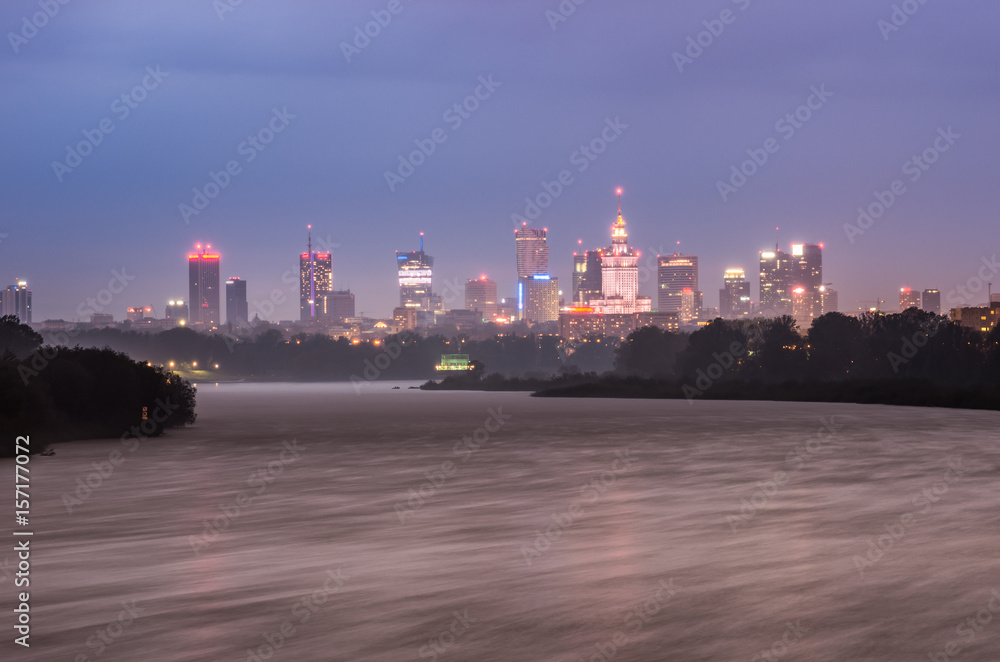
586, 276
203, 279
315, 283
908, 298
674, 274
829, 301
340, 305
236, 301
532, 251
775, 283
620, 274
734, 297
807, 273
931, 301
481, 295
416, 273
177, 311
16, 300
541, 298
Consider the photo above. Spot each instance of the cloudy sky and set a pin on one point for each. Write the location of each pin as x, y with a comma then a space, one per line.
309, 117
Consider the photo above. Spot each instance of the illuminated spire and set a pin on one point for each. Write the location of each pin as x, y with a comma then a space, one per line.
619, 235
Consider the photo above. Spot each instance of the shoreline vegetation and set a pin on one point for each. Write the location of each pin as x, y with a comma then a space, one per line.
54, 393
100, 387
913, 358
895, 392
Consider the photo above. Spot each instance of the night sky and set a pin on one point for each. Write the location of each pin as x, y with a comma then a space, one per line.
220, 77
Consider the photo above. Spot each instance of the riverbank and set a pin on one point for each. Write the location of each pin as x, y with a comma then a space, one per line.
898, 392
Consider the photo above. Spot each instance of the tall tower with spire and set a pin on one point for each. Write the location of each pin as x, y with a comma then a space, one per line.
315, 283
620, 264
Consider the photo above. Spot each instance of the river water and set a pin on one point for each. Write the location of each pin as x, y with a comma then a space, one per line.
310, 522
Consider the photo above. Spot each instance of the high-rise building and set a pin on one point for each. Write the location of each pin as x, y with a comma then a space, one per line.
203, 279
532, 252
620, 275
804, 307
807, 273
734, 297
931, 301
688, 312
16, 300
177, 312
315, 283
541, 298
908, 298
416, 273
237, 310
340, 305
829, 301
135, 313
586, 277
481, 295
775, 282
674, 274
808, 265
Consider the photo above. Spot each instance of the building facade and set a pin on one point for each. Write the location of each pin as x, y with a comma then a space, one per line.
16, 300
930, 300
674, 274
620, 275
203, 287
236, 301
541, 298
532, 250
415, 271
177, 312
734, 297
315, 283
481, 295
908, 298
586, 277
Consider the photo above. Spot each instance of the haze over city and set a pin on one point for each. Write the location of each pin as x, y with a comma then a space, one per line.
546, 87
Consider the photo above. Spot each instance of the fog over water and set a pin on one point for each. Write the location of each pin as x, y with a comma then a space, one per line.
632, 530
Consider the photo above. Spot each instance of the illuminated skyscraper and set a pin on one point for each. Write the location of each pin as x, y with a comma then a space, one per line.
203, 279
315, 283
807, 273
908, 298
236, 301
688, 312
532, 251
802, 307
829, 301
808, 266
481, 295
734, 297
541, 298
931, 301
177, 311
620, 274
16, 300
674, 274
416, 274
776, 273
586, 276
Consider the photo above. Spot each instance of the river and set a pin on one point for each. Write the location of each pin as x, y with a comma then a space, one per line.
315, 522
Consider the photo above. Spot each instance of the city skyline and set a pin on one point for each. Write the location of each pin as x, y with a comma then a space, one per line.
915, 114
655, 267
